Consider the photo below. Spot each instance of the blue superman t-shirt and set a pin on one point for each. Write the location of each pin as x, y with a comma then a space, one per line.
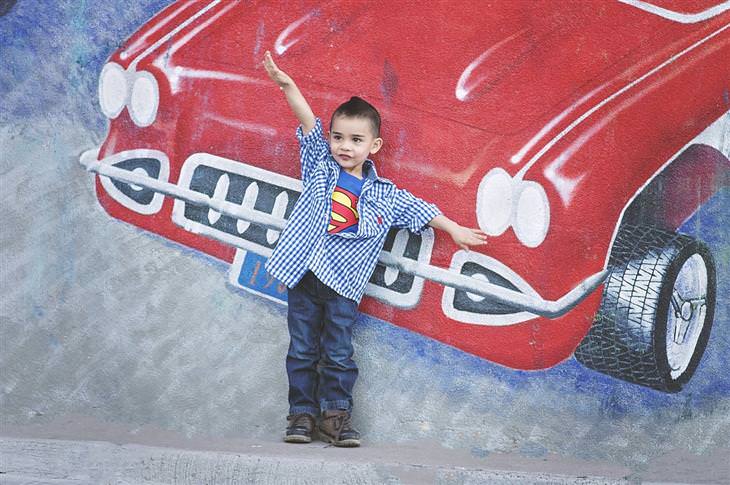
344, 217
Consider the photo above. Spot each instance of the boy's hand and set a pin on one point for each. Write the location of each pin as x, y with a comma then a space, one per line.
294, 97
465, 237
277, 75
462, 236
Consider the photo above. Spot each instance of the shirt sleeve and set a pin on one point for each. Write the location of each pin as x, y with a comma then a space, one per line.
313, 148
412, 213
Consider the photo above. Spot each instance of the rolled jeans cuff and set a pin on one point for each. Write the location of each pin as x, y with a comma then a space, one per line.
304, 409
335, 405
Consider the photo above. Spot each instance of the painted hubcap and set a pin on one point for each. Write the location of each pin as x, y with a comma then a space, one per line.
686, 316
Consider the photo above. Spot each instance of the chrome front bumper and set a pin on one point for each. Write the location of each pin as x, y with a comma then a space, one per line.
516, 301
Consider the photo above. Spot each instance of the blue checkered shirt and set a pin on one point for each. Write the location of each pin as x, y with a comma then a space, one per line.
343, 261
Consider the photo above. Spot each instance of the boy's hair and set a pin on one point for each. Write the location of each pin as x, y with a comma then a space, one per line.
357, 107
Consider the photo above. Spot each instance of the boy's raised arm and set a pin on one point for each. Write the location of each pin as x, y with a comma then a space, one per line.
293, 96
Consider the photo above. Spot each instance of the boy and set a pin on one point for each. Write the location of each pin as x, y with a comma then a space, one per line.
328, 251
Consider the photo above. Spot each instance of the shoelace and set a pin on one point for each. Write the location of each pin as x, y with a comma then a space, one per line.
342, 422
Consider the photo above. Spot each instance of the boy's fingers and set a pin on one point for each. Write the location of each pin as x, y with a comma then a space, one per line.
269, 62
477, 234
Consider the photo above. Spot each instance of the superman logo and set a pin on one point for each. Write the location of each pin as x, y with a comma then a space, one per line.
344, 211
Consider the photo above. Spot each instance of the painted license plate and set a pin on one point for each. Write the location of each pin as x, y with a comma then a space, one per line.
248, 273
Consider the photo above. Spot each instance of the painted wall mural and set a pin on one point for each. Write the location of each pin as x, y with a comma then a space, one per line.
122, 307
579, 142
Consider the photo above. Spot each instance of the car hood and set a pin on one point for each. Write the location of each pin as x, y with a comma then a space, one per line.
469, 85
498, 66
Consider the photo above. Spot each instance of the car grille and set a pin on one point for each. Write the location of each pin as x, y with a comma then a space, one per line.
466, 302
150, 163
468, 308
140, 195
394, 287
244, 190
276, 194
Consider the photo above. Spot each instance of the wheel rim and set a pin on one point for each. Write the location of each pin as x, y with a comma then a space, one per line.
686, 315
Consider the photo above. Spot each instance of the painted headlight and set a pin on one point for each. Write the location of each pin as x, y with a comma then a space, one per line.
504, 201
112, 89
494, 202
144, 100
532, 214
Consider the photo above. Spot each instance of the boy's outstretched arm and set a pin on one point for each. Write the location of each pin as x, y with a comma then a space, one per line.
293, 96
462, 236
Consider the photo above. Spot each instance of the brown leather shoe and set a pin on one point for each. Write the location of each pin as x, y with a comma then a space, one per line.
336, 427
300, 428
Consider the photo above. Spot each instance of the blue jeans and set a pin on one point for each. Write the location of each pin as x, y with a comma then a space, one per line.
319, 362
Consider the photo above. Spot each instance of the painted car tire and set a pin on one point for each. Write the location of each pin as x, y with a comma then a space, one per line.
629, 337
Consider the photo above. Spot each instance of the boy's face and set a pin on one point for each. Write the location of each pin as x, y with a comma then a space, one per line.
351, 141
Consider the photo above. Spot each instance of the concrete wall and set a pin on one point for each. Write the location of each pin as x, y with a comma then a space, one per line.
103, 320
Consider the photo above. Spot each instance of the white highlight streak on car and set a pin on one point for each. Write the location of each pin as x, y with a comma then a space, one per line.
172, 33
610, 98
188, 72
178, 44
132, 48
279, 46
257, 128
517, 157
682, 18
464, 87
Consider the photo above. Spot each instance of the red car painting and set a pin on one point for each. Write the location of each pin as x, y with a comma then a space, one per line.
579, 135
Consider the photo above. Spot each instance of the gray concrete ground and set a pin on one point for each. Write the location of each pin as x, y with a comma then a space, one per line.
80, 450
80, 462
